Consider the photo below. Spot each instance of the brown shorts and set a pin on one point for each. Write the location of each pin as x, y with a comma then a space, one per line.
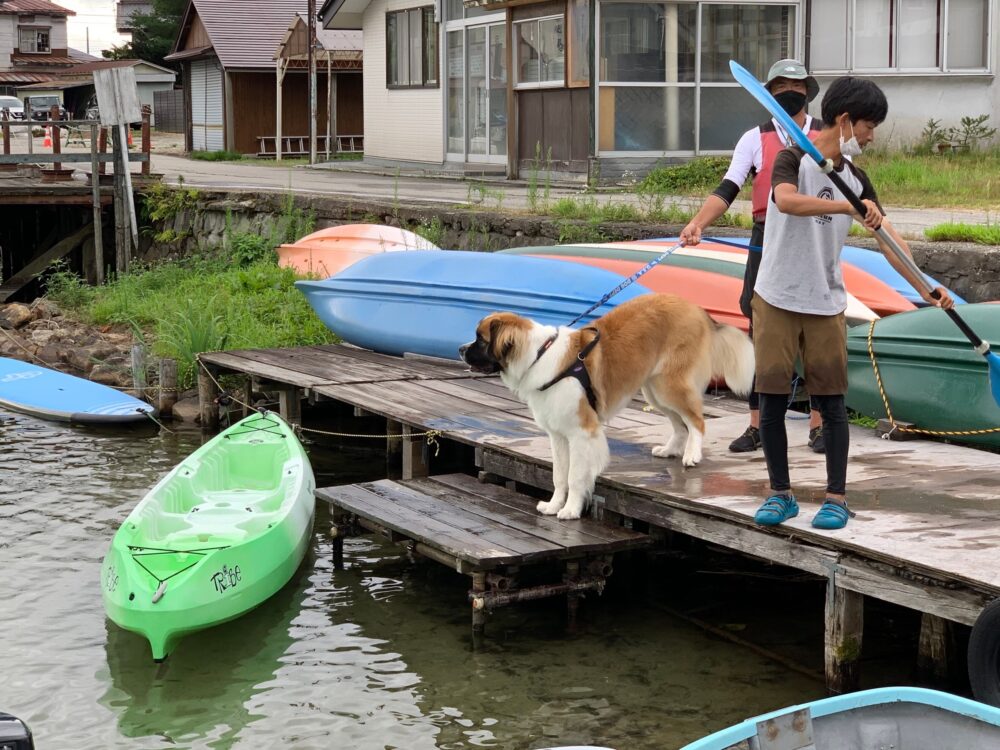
780, 337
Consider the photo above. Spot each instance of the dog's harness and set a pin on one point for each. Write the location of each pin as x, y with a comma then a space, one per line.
577, 369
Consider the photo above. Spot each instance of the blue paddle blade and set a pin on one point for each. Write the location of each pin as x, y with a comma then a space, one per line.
757, 90
994, 362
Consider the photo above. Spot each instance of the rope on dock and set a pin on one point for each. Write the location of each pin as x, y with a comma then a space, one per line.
888, 410
431, 436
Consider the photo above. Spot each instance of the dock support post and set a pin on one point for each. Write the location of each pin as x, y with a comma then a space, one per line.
844, 628
290, 405
936, 648
208, 393
478, 607
414, 461
139, 370
337, 532
572, 599
168, 386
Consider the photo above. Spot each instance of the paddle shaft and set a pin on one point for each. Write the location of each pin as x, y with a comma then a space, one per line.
901, 255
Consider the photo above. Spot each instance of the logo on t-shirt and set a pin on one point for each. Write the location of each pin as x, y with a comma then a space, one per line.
826, 193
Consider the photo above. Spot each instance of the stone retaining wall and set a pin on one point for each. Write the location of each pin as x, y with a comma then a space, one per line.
971, 270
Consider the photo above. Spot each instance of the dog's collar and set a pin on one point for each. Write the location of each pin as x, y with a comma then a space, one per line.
546, 345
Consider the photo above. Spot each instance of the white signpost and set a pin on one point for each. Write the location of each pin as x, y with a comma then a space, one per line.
118, 101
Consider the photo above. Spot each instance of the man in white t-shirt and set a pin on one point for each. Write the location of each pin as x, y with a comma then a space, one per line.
753, 157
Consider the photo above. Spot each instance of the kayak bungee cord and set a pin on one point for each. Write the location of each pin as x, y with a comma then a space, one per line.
888, 411
137, 552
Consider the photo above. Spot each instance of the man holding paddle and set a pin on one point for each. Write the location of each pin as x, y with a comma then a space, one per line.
799, 296
793, 88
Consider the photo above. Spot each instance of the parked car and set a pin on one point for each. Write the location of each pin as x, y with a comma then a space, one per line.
41, 106
14, 107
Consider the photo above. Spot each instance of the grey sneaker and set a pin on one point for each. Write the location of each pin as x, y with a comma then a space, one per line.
747, 442
816, 441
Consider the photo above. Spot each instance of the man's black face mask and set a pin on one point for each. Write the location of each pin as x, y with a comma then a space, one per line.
791, 101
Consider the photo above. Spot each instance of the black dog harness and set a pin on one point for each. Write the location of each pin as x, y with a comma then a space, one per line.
577, 369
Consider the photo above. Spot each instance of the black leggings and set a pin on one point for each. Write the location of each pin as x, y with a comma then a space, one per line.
754, 398
774, 440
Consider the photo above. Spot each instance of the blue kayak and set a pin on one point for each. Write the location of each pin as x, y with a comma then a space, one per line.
430, 302
903, 718
50, 394
870, 261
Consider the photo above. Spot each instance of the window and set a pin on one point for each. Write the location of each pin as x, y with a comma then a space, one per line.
541, 52
33, 40
893, 36
411, 48
663, 72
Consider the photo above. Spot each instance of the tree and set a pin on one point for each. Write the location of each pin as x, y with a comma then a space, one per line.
153, 34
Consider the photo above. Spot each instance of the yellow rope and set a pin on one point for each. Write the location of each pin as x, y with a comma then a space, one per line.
430, 435
888, 410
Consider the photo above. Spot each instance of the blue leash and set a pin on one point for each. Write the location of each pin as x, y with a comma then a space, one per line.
624, 284
721, 241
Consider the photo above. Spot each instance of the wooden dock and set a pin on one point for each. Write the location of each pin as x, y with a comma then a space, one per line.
925, 536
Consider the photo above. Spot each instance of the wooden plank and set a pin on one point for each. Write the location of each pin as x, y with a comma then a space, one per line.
530, 546
519, 511
417, 526
414, 454
304, 367
36, 266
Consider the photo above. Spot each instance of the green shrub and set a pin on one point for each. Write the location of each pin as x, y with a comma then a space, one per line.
217, 155
697, 176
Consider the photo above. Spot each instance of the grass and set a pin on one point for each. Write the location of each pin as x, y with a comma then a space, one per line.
234, 156
204, 303
952, 180
949, 232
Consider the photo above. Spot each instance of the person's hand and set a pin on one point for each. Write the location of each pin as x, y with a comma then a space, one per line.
873, 218
945, 302
691, 234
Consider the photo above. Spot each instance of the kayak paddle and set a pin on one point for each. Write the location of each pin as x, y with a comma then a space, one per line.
756, 89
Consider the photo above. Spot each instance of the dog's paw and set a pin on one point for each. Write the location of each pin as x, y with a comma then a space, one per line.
569, 513
691, 459
547, 508
666, 451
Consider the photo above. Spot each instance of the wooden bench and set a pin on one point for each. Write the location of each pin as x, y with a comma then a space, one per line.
485, 531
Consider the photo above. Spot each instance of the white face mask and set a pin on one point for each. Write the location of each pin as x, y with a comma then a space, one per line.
850, 147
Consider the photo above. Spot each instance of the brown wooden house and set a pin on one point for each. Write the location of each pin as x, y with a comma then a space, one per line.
228, 50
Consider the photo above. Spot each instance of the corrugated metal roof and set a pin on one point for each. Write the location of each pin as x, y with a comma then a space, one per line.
7, 77
245, 33
33, 6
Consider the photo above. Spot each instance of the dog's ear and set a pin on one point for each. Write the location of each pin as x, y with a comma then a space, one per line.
502, 340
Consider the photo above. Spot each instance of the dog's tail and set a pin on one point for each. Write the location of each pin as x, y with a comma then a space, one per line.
732, 358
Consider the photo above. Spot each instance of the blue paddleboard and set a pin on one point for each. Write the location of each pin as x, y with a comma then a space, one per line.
49, 394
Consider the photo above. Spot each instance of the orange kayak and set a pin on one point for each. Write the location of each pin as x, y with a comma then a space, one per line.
869, 290
329, 251
719, 295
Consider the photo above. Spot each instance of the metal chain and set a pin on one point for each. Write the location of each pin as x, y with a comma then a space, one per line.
888, 410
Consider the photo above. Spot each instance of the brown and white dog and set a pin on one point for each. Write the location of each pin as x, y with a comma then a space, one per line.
660, 344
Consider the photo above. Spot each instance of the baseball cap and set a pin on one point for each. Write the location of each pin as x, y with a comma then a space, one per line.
795, 70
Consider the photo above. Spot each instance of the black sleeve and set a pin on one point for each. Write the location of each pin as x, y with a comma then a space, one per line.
786, 167
727, 191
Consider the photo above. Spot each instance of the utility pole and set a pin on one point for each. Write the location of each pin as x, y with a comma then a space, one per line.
312, 81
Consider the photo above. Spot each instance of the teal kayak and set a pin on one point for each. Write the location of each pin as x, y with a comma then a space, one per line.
219, 534
931, 375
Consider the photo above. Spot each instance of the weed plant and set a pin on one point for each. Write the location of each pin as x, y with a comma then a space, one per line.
988, 234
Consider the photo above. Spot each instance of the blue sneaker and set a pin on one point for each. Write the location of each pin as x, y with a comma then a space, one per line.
834, 514
776, 509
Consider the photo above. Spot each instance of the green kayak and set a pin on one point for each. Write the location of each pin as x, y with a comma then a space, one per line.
930, 373
219, 534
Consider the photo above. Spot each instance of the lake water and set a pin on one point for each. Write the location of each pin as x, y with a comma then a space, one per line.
373, 657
